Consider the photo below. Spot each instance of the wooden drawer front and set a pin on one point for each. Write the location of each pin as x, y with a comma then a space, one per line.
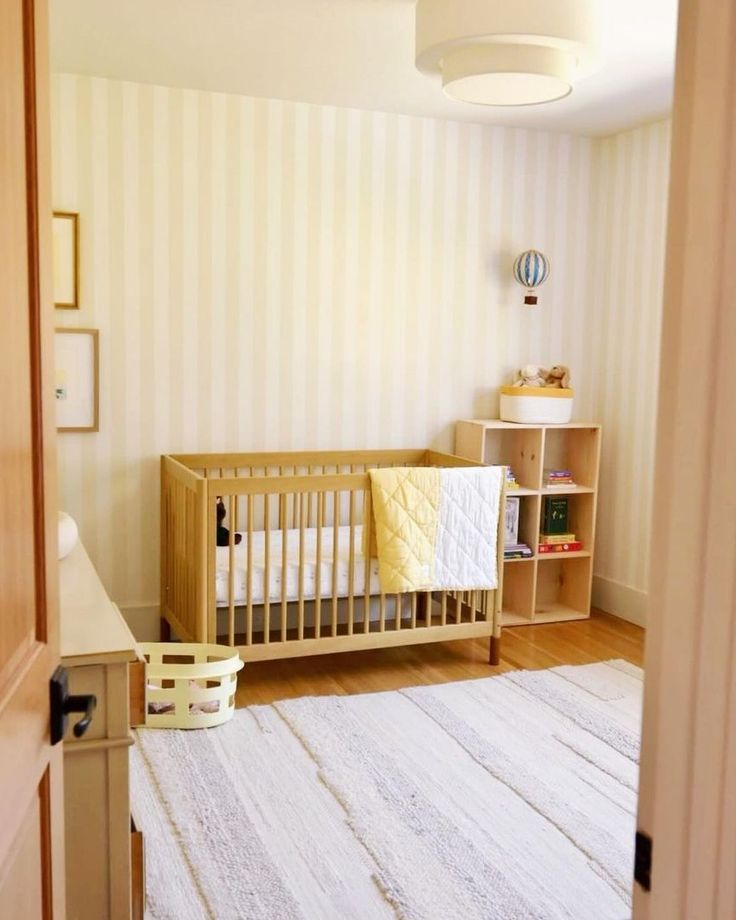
109, 683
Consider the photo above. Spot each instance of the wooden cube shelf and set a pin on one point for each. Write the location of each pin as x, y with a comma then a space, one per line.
552, 587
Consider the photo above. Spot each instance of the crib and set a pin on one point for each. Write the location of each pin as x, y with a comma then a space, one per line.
297, 582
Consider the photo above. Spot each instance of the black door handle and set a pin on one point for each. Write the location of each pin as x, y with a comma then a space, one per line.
85, 704
62, 703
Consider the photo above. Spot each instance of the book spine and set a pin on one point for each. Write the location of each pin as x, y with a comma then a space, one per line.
557, 538
573, 547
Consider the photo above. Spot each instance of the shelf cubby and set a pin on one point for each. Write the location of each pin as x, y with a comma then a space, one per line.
575, 449
581, 514
518, 592
550, 587
517, 446
563, 589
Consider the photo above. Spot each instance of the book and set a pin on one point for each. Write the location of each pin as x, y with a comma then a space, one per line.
572, 547
555, 516
517, 551
561, 485
558, 474
557, 538
511, 482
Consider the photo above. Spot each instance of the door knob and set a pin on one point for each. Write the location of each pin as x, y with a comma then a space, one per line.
62, 703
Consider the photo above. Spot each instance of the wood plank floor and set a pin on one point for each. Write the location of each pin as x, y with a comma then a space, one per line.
522, 647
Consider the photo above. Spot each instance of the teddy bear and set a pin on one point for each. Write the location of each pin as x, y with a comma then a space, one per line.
558, 376
223, 534
531, 375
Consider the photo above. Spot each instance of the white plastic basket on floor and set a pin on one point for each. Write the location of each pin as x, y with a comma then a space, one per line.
194, 690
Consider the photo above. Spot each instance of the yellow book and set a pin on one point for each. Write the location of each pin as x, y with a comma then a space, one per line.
557, 538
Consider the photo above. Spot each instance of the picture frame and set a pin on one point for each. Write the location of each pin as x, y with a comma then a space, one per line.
77, 383
511, 520
66, 260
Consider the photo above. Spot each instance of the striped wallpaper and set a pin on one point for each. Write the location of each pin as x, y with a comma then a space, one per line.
628, 217
276, 275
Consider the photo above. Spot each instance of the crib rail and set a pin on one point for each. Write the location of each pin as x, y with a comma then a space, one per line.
300, 582
184, 541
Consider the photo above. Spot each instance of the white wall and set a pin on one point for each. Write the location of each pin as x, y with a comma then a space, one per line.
272, 275
628, 217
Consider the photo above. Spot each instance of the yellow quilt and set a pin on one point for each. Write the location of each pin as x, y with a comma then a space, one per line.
406, 504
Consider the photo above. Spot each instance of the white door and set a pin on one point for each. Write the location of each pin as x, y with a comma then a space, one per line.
687, 804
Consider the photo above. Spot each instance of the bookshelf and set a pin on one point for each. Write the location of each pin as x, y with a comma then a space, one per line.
554, 587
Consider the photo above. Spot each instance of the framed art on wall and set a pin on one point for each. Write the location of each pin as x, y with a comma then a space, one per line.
66, 260
77, 379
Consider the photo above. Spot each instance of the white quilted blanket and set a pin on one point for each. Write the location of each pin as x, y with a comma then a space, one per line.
467, 528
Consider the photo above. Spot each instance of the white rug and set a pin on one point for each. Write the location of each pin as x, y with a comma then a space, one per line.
506, 798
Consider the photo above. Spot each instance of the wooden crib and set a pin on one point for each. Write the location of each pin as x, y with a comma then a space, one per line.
298, 583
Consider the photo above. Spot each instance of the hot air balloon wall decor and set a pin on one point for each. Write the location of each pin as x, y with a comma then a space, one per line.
531, 269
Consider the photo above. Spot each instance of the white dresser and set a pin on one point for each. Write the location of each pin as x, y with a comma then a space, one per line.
104, 860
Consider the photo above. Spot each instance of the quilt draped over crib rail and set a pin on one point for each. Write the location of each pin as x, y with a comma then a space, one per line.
436, 529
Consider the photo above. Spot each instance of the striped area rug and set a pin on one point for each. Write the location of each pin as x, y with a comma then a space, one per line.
506, 798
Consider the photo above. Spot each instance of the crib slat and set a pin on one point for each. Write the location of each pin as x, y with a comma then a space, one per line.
428, 611
294, 503
318, 573
382, 613
413, 610
284, 561
351, 561
267, 570
367, 560
335, 553
231, 574
443, 609
302, 511
249, 576
397, 611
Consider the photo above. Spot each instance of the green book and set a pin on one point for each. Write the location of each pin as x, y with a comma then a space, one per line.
554, 519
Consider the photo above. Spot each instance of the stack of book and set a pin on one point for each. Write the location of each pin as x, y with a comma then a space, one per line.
556, 536
517, 551
559, 479
559, 543
511, 482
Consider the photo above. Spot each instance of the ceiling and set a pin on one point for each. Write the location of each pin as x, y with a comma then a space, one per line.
353, 53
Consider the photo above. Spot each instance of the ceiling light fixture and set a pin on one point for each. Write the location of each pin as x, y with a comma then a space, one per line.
507, 52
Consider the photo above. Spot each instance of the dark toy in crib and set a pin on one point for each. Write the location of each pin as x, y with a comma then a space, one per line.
223, 534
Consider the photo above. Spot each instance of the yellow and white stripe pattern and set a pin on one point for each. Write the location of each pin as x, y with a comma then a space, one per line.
275, 275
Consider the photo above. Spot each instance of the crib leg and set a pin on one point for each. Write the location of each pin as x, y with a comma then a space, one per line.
494, 656
164, 630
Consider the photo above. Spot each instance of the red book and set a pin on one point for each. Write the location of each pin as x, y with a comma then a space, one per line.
573, 547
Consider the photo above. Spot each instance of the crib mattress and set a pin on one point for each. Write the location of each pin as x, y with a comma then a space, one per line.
276, 573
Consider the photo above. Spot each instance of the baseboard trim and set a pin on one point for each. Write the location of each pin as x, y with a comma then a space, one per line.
620, 600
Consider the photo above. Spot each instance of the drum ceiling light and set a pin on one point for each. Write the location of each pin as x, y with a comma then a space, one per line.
507, 52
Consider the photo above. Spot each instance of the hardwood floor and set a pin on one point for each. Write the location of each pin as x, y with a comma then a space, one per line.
522, 647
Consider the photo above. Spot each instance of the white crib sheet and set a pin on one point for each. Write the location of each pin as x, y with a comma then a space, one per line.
292, 566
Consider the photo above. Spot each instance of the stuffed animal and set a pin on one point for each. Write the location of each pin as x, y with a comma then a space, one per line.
558, 376
223, 534
531, 375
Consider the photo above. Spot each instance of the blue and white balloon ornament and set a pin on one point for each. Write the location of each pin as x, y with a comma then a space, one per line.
531, 269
